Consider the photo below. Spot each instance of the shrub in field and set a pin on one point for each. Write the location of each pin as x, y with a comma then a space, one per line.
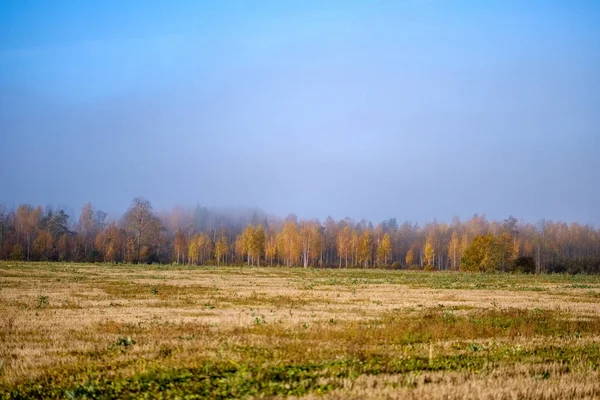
123, 342
524, 264
17, 253
43, 302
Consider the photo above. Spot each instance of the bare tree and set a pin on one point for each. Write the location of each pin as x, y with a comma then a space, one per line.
140, 222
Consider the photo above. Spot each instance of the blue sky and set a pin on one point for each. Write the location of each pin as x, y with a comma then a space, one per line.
413, 109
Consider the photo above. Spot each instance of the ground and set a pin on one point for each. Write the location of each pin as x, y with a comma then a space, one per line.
126, 331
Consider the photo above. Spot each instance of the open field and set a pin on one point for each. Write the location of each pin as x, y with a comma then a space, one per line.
103, 331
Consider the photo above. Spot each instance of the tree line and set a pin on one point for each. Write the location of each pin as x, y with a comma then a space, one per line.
211, 236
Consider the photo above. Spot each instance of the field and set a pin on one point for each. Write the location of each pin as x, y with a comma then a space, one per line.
123, 331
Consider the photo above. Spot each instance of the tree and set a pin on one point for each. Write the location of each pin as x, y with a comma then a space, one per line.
510, 225
180, 244
90, 223
206, 247
429, 253
3, 225
474, 255
344, 242
410, 257
43, 246
354, 246
199, 248
271, 248
366, 248
193, 250
87, 228
221, 249
329, 246
289, 243
500, 255
55, 222
258, 243
238, 248
488, 253
62, 247
111, 243
384, 250
17, 253
27, 221
248, 243
142, 224
28, 232
310, 237
454, 249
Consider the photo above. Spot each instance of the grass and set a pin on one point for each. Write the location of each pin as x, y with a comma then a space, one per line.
127, 331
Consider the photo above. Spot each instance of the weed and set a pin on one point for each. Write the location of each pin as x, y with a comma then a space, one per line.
43, 302
165, 351
123, 343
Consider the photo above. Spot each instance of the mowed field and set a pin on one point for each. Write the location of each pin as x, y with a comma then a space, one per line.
127, 331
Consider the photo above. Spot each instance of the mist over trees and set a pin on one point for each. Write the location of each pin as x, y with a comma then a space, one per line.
202, 236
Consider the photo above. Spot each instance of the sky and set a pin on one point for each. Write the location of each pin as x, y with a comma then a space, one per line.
415, 109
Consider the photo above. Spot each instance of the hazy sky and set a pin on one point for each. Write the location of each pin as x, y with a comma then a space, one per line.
414, 109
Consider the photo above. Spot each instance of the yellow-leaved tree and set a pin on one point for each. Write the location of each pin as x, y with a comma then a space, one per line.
270, 248
289, 243
179, 243
429, 253
384, 250
221, 249
344, 242
410, 257
193, 251
366, 248
454, 250
199, 248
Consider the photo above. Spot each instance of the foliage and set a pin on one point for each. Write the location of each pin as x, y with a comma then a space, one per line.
17, 253
488, 253
384, 250
144, 228
410, 257
198, 236
524, 264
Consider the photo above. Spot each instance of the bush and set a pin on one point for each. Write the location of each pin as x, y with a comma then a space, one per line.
94, 256
396, 265
123, 342
588, 265
43, 302
17, 253
524, 264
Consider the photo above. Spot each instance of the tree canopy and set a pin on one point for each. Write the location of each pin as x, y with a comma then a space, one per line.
212, 236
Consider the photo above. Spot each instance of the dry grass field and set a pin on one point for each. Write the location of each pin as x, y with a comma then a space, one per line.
125, 331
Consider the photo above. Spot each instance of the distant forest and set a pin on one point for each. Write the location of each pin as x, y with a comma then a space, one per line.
202, 236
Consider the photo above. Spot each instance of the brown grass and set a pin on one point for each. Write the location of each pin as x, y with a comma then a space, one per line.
397, 334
